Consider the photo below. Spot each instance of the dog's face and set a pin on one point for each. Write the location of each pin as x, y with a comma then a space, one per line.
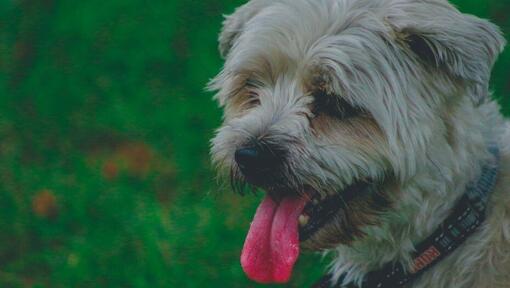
336, 101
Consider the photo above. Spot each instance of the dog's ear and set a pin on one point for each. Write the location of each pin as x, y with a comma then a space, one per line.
463, 46
233, 25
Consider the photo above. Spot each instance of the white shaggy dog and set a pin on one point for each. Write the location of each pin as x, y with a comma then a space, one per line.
369, 124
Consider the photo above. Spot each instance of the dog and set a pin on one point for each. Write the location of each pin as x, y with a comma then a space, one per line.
369, 126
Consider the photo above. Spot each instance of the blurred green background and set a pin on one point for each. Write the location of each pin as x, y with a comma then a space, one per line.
105, 178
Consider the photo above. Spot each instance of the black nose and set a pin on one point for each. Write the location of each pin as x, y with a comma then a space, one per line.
256, 160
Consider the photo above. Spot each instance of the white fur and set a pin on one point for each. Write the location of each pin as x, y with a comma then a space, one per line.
435, 121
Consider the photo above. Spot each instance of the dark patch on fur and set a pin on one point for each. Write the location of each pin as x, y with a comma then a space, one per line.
238, 184
281, 184
361, 211
423, 49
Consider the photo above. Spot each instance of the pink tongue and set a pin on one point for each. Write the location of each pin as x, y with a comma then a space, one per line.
272, 245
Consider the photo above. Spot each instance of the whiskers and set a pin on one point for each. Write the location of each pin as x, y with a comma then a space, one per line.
239, 184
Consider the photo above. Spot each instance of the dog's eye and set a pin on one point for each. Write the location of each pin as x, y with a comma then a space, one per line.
252, 86
253, 99
333, 106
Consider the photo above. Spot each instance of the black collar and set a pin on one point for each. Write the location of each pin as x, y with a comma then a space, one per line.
465, 218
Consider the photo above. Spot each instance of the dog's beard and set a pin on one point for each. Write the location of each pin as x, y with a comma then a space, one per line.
284, 182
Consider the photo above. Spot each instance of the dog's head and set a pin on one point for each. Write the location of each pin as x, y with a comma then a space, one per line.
329, 105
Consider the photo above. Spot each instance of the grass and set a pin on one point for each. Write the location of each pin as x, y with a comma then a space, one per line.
105, 178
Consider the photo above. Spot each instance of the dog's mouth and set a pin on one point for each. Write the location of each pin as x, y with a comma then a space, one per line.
272, 244
320, 211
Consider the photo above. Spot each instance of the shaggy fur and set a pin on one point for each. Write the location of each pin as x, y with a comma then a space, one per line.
392, 92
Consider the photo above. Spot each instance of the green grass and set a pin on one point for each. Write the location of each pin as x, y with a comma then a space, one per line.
105, 178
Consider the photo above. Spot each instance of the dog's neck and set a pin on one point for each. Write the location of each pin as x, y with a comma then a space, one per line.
423, 202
